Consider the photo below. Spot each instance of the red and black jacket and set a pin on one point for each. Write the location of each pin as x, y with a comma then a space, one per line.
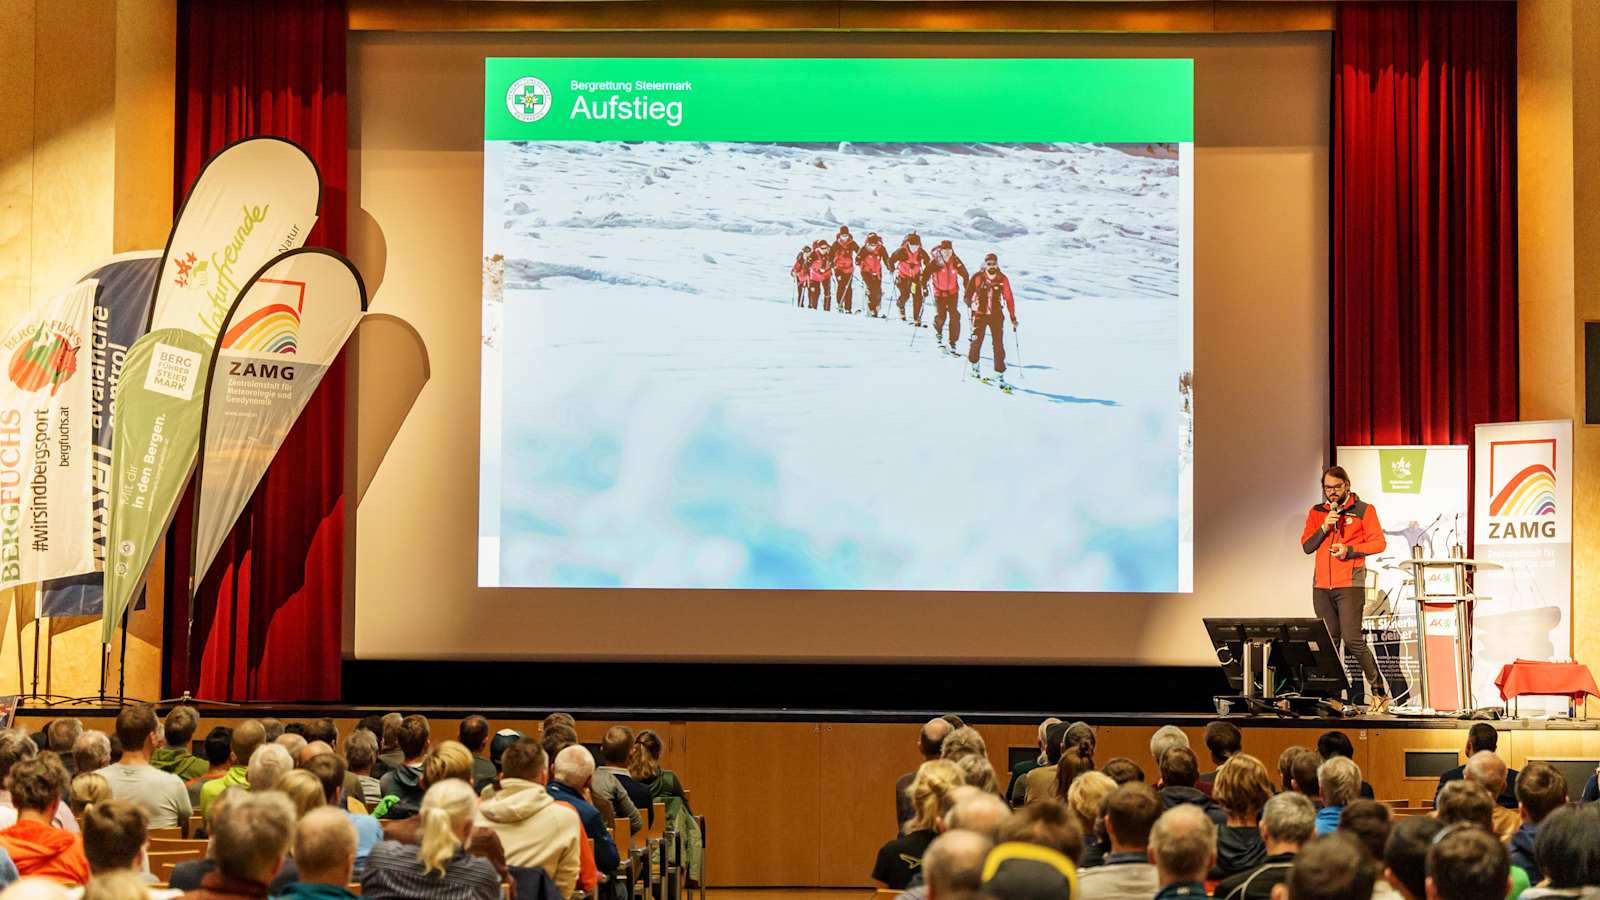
1358, 529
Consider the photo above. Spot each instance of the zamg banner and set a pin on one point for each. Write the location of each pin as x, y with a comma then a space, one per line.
157, 433
1522, 519
121, 315
287, 328
44, 443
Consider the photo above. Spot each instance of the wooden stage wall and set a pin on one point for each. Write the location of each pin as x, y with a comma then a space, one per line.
807, 804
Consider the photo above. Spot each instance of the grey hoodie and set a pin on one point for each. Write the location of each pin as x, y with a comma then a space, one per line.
535, 830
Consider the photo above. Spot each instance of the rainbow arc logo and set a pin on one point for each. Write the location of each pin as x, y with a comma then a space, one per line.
1530, 491
274, 328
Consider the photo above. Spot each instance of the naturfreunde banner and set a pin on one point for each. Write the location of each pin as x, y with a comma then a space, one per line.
287, 328
44, 443
156, 435
121, 316
1005, 100
252, 201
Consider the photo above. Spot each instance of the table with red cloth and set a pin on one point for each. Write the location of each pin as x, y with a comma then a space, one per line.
1550, 679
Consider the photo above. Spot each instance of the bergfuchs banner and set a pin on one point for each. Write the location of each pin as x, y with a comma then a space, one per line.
1421, 497
286, 329
121, 315
44, 442
1522, 519
252, 201
157, 434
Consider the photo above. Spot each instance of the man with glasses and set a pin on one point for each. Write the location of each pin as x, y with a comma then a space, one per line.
1340, 533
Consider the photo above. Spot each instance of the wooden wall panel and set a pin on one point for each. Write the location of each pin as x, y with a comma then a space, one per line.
860, 764
759, 786
1388, 750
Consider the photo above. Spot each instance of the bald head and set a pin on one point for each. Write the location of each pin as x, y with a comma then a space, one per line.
931, 741
953, 863
574, 767
325, 846
312, 751
1488, 770
247, 736
981, 813
1183, 844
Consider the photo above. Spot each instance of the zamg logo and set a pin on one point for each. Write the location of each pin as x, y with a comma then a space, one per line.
274, 328
528, 100
1522, 482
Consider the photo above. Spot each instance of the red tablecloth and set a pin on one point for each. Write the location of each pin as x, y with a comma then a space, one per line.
1532, 676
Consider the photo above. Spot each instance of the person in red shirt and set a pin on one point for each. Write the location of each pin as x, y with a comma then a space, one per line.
1340, 533
990, 299
39, 849
871, 261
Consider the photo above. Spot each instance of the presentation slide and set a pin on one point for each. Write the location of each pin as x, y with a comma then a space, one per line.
853, 324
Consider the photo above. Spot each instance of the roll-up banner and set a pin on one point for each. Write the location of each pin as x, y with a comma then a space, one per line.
121, 316
45, 474
1522, 520
286, 329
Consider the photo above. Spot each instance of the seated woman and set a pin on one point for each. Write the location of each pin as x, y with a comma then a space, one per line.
898, 859
87, 790
1242, 788
38, 848
644, 764
439, 867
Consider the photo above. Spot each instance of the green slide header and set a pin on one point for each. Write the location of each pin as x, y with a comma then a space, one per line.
825, 100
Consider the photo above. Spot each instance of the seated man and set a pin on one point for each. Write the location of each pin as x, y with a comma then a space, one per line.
1337, 743
473, 733
1541, 790
1223, 740
614, 747
218, 751
1179, 772
534, 829
1568, 851
325, 853
189, 876
404, 782
1340, 782
174, 755
114, 840
1405, 855
1288, 821
1183, 847
247, 736
161, 794
930, 740
1489, 771
1331, 867
953, 864
38, 848
329, 769
1127, 873
1482, 736
1468, 864
250, 841
572, 772
16, 746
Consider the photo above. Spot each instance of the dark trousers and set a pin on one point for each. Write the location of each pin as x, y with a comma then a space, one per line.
844, 289
909, 288
827, 293
813, 289
995, 324
874, 285
1340, 609
944, 308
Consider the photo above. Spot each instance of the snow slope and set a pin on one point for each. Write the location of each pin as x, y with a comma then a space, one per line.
668, 418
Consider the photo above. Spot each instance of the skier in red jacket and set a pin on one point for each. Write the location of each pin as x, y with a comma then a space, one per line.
801, 273
843, 255
810, 272
1341, 533
985, 293
871, 261
947, 276
910, 264
822, 257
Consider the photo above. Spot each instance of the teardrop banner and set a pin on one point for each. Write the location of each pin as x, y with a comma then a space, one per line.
45, 476
155, 440
283, 334
255, 199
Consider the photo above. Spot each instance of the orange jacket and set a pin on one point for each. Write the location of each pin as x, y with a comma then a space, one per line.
1358, 529
44, 852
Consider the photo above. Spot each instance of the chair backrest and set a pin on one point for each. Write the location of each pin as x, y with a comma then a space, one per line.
658, 821
178, 845
622, 833
161, 862
173, 832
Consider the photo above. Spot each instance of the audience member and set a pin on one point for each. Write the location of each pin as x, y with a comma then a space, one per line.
272, 729
1405, 855
534, 829
61, 736
1286, 765
16, 746
1075, 761
1086, 798
303, 790
404, 781
114, 838
161, 795
502, 739
1489, 771
1126, 872
565, 720
1368, 822
1023, 871
1468, 863
978, 772
979, 811
1080, 735
1047, 823
614, 747
953, 864
329, 771
1541, 790
91, 752
361, 754
325, 854
1303, 774
191, 875
1179, 770
1330, 867
36, 846
445, 761
390, 756
440, 865
1241, 787
173, 755
1288, 821
1339, 780
1040, 780
250, 843
269, 763
126, 885
1183, 847
1466, 802
1480, 737
1166, 738
1021, 769
644, 763
1222, 740
1123, 770
1337, 743
86, 790
293, 743
570, 778
1567, 850
964, 741
901, 856
218, 749
608, 788
556, 736
473, 733
247, 736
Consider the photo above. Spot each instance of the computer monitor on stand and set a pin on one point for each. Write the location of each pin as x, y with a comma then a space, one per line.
1286, 667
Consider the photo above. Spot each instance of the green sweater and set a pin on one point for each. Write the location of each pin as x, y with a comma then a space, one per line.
179, 762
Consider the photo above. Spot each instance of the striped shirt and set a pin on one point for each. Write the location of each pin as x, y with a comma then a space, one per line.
394, 871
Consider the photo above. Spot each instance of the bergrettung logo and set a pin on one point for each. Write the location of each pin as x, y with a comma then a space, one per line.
528, 100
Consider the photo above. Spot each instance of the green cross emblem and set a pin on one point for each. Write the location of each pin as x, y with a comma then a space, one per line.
529, 100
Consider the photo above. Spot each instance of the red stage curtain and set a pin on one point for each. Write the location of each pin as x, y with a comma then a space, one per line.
268, 616
1424, 198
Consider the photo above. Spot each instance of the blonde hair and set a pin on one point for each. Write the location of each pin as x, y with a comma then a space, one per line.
1242, 785
446, 807
934, 779
978, 772
964, 741
304, 790
644, 760
87, 790
447, 760
1340, 780
1086, 795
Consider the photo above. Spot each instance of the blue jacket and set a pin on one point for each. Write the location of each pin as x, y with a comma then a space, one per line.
1328, 819
1522, 852
605, 850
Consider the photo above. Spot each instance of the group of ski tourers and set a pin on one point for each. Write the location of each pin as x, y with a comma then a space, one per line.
827, 271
